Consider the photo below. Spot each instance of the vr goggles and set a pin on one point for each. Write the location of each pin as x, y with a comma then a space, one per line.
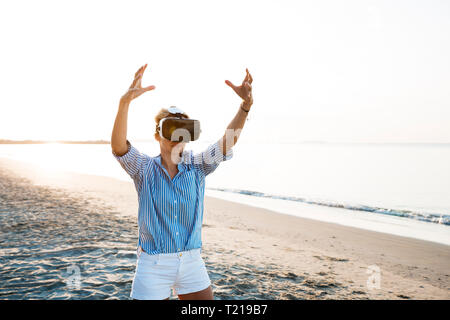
178, 129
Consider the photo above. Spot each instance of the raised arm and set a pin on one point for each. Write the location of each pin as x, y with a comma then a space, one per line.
119, 133
234, 129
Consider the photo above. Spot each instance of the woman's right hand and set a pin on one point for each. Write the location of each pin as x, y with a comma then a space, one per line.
136, 89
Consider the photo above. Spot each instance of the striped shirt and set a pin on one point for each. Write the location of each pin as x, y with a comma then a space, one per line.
171, 210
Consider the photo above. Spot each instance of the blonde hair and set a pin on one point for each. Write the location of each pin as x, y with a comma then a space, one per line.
164, 113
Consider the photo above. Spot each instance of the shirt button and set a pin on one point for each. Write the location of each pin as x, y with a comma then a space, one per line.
175, 216
177, 233
175, 201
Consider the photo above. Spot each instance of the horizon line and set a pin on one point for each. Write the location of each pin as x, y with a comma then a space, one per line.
100, 141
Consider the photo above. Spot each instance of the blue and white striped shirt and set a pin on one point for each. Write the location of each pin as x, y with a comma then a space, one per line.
171, 211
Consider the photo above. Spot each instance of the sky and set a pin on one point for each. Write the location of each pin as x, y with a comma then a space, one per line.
337, 71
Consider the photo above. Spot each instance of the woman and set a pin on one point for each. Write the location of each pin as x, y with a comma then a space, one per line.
170, 191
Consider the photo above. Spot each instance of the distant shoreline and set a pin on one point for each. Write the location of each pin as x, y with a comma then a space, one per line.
46, 142
397, 144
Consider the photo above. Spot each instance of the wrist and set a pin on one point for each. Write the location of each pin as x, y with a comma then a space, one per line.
246, 105
124, 102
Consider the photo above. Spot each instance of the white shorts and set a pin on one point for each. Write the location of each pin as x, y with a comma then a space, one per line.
157, 274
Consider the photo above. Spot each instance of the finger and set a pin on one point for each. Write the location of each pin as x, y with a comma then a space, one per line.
235, 89
134, 84
143, 69
137, 75
250, 78
139, 71
228, 82
139, 80
247, 75
141, 74
149, 88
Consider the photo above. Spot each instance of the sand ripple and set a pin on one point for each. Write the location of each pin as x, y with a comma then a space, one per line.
267, 281
48, 238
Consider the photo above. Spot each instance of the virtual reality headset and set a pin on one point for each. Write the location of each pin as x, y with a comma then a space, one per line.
178, 129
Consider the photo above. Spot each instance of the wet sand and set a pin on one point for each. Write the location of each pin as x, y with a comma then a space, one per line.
54, 225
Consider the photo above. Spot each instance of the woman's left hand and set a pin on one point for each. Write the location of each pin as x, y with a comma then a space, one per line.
245, 89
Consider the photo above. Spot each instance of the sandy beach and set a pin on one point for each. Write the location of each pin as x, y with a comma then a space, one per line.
51, 221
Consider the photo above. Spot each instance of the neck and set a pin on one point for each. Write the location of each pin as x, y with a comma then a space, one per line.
166, 161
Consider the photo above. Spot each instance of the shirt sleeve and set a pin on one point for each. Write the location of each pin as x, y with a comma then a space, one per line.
133, 162
208, 161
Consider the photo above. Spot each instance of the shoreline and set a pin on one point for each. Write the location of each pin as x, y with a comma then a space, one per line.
246, 248
391, 225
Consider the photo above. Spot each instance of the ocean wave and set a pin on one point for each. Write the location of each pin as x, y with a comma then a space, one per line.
438, 218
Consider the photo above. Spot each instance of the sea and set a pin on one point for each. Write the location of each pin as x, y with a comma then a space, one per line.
401, 189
